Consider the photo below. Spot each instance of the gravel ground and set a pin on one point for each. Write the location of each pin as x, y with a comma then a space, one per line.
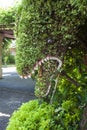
13, 92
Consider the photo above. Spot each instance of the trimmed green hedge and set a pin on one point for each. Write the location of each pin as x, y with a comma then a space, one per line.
46, 28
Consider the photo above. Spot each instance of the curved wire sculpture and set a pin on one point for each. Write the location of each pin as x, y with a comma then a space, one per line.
39, 64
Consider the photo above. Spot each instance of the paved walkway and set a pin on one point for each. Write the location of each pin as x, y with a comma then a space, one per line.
13, 92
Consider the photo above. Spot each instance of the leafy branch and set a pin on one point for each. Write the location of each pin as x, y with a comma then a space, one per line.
63, 73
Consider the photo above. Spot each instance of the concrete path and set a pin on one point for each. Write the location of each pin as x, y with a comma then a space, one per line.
13, 92
12, 80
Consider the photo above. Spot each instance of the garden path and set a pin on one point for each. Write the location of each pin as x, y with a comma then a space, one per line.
13, 92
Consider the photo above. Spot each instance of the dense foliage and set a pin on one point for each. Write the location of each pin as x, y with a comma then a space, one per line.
71, 93
46, 28
7, 22
33, 116
7, 57
7, 17
55, 28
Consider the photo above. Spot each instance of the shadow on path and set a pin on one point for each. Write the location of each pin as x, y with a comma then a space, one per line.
13, 92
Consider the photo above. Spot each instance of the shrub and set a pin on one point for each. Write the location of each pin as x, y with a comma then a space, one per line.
51, 28
33, 116
9, 59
